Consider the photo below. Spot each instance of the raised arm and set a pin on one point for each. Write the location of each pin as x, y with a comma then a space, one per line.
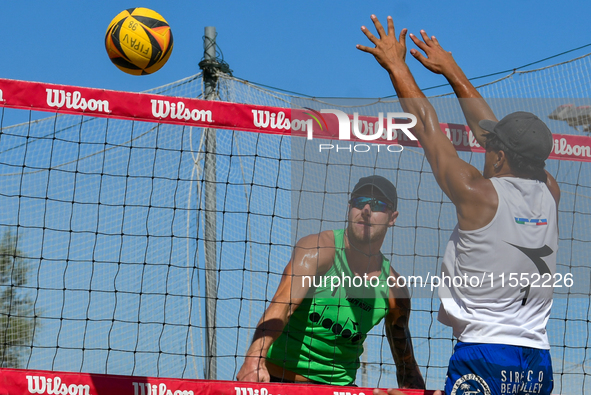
390, 54
399, 338
459, 180
312, 255
440, 61
474, 107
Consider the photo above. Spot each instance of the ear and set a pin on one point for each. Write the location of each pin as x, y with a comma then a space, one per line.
392, 219
501, 160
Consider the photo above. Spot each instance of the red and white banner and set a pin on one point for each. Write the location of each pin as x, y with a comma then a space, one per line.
223, 115
17, 381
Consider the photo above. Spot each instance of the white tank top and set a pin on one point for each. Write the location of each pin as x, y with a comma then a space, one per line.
517, 248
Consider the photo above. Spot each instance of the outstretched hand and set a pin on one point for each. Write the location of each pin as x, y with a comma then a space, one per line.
436, 59
388, 51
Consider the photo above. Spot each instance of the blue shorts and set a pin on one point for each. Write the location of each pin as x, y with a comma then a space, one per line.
498, 369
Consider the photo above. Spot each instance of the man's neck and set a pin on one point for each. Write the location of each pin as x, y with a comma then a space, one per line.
363, 260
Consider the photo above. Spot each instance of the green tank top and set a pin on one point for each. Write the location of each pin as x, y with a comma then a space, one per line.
324, 337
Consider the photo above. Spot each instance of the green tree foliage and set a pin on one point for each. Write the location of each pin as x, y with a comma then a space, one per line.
17, 320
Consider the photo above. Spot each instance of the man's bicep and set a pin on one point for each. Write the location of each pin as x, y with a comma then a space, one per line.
553, 187
442, 156
455, 177
311, 257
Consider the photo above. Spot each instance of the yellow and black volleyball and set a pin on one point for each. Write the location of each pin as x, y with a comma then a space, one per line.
139, 41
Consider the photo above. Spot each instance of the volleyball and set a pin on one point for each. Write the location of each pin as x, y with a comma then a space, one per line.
139, 41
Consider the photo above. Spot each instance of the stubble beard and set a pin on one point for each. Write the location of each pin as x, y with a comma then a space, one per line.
371, 235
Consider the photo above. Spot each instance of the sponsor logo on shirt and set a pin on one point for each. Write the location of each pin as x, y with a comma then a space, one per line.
533, 222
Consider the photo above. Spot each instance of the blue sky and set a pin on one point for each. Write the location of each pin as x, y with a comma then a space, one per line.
304, 46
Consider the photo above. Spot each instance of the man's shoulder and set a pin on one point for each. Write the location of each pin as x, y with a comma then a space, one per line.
477, 205
325, 239
318, 246
474, 190
526, 186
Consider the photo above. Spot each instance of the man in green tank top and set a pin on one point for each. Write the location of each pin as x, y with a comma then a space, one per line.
333, 291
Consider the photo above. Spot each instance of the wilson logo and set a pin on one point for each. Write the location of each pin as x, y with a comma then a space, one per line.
251, 391
361, 129
156, 389
562, 147
42, 385
1, 98
461, 137
60, 98
264, 119
164, 109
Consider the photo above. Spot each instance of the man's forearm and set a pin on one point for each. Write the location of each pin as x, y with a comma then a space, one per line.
407, 369
400, 340
411, 378
404, 82
267, 331
474, 107
440, 61
414, 101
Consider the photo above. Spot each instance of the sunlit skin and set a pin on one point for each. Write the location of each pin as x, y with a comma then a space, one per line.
365, 234
366, 226
471, 191
314, 255
496, 165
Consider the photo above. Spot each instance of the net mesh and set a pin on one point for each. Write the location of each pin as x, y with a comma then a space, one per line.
106, 221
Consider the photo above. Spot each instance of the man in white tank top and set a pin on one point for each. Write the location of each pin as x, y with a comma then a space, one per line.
507, 232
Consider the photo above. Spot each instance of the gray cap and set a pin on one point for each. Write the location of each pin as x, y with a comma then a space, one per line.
523, 133
381, 184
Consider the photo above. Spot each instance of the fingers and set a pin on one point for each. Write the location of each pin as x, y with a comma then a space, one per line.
426, 38
418, 56
427, 41
387, 48
365, 49
379, 26
391, 31
381, 31
430, 41
370, 36
418, 42
402, 37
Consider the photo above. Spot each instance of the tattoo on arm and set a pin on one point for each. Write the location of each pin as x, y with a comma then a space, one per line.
407, 369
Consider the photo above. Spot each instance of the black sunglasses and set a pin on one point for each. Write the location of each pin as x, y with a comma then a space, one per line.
375, 205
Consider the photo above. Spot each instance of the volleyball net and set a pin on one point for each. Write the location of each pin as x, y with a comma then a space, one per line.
144, 234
